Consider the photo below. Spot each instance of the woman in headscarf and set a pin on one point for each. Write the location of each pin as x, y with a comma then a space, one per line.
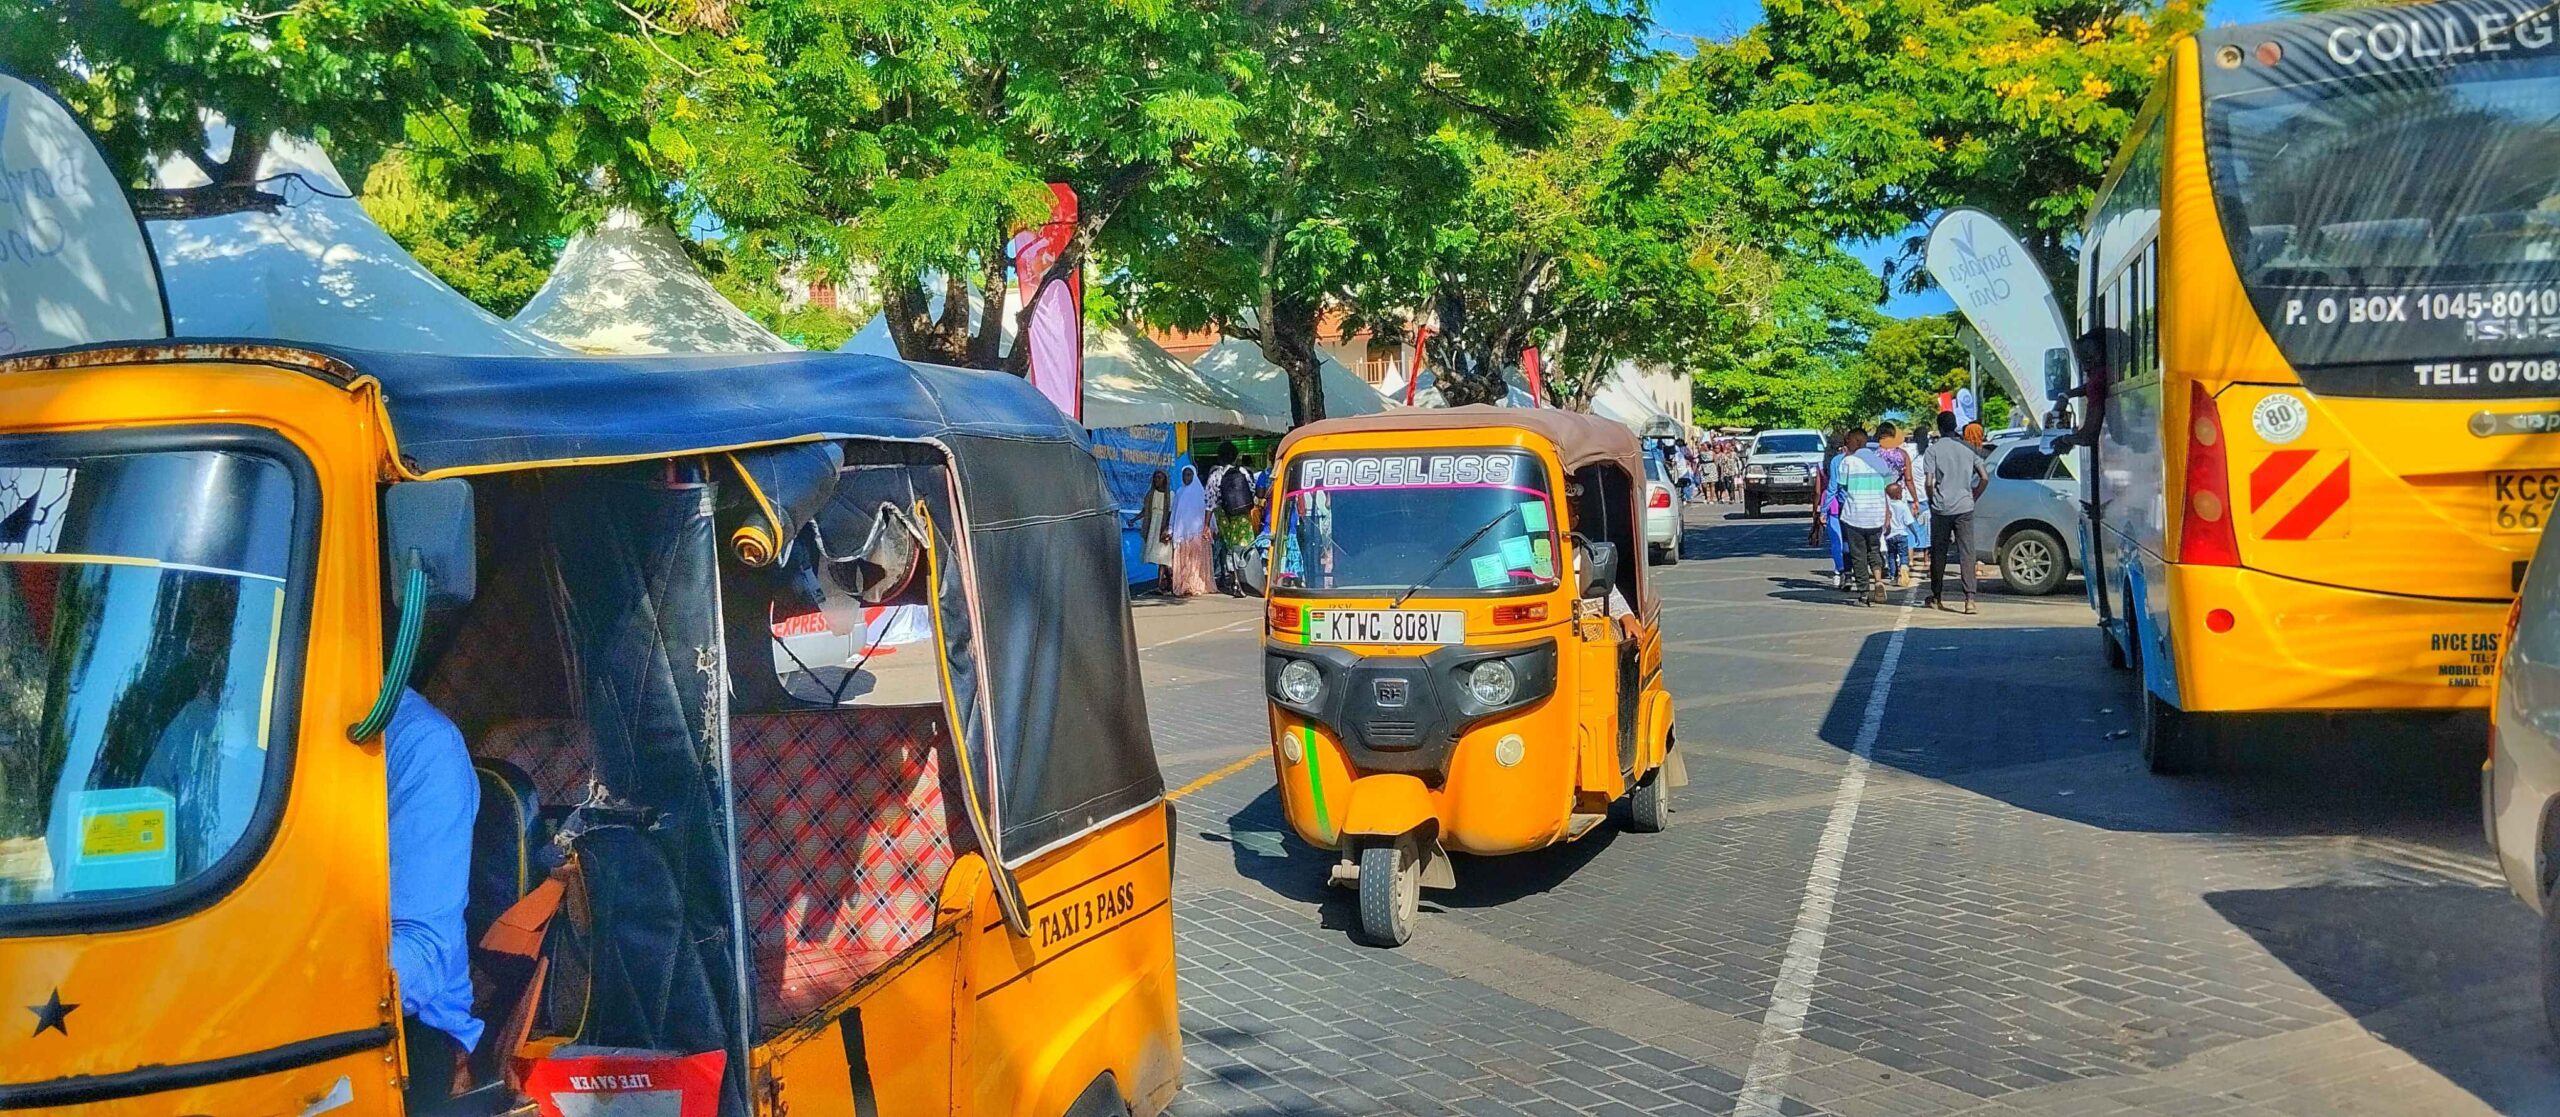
1190, 537
1155, 530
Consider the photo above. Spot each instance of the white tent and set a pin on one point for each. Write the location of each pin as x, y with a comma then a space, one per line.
318, 269
1626, 395
1513, 395
626, 286
1238, 366
1129, 381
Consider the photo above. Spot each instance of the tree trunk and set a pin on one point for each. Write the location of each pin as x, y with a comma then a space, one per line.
1470, 370
1288, 339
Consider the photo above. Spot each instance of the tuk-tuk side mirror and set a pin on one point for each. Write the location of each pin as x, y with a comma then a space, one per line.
429, 563
2057, 373
1255, 570
429, 524
1599, 564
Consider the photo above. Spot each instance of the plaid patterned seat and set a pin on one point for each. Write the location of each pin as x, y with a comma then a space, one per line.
846, 834
556, 752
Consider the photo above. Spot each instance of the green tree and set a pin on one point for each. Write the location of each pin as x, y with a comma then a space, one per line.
910, 138
455, 237
1360, 121
354, 75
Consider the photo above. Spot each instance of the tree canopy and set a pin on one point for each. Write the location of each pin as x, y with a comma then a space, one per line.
1504, 174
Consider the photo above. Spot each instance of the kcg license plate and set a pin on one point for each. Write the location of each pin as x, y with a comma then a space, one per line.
2522, 501
1385, 626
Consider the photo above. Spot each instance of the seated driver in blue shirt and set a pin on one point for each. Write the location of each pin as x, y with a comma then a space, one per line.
434, 796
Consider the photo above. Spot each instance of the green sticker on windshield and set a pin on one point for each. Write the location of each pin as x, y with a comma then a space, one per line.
1490, 572
1534, 514
1542, 558
1515, 553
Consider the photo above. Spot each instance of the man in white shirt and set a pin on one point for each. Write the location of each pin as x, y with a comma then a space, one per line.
1861, 482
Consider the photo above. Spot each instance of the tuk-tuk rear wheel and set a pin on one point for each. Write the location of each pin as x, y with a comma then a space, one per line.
1390, 891
1649, 805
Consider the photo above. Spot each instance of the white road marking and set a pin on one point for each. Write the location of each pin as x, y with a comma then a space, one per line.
1775, 1055
1169, 642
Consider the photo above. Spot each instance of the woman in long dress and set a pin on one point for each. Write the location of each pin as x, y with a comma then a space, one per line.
1155, 527
1191, 537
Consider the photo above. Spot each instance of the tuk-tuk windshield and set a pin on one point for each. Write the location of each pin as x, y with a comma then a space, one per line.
1445, 522
141, 598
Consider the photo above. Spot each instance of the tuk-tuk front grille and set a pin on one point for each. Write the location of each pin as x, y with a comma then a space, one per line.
1391, 732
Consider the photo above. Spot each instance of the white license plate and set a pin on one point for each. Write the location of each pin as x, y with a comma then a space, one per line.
1385, 626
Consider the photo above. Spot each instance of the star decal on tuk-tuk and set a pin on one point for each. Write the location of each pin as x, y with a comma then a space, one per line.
51, 1014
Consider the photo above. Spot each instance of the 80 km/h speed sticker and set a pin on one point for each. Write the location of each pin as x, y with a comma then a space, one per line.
2280, 417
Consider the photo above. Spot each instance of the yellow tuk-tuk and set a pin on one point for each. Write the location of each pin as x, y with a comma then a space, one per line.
812, 768
1462, 652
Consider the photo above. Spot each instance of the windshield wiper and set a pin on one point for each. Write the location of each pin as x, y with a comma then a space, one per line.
1446, 559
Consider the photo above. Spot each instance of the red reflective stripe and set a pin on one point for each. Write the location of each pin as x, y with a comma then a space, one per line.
2272, 473
2323, 501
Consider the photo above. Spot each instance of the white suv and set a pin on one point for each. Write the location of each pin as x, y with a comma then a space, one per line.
1780, 469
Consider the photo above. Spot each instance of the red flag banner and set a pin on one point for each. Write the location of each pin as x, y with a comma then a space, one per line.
1057, 322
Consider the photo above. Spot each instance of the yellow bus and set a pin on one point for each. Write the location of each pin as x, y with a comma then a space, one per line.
2320, 314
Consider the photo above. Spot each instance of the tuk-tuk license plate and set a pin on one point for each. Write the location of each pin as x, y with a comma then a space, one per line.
1385, 626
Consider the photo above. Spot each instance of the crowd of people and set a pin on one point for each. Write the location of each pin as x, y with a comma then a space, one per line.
1199, 532
1708, 469
1888, 503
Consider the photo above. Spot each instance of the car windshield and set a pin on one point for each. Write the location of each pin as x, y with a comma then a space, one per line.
141, 602
1787, 444
1450, 522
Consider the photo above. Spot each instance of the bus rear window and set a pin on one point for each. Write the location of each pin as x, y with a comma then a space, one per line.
2396, 221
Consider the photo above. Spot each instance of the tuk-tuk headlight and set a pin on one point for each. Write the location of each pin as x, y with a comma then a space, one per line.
1300, 683
1493, 682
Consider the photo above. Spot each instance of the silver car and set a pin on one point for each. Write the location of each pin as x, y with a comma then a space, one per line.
2027, 521
2520, 786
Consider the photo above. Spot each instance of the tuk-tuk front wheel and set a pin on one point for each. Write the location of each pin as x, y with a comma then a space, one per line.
1649, 805
1390, 890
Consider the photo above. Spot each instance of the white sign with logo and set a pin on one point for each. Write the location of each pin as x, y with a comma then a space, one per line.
2004, 294
1968, 409
75, 267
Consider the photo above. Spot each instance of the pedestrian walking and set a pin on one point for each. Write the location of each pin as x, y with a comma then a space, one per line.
1191, 533
1827, 509
1155, 529
1956, 477
1859, 483
1230, 490
1900, 505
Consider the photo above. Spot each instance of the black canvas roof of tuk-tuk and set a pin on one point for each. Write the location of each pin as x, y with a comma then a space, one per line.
1579, 439
1053, 630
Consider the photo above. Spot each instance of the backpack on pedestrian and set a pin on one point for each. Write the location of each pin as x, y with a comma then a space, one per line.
1235, 492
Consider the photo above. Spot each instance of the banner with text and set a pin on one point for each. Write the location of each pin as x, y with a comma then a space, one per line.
75, 267
1998, 286
1130, 457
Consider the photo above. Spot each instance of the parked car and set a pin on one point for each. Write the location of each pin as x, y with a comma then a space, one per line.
2028, 519
2520, 786
1780, 469
1661, 512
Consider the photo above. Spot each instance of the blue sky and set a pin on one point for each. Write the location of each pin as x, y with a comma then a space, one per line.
1676, 22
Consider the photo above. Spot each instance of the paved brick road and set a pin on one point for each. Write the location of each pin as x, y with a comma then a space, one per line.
2018, 919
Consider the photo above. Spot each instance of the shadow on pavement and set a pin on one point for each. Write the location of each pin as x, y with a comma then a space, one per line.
2424, 968
1268, 853
2008, 712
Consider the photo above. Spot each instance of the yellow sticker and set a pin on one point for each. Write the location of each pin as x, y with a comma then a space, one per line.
113, 833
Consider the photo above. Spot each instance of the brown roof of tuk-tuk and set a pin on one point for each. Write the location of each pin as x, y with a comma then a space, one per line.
1579, 439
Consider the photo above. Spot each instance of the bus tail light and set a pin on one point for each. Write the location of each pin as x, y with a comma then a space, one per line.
2205, 534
